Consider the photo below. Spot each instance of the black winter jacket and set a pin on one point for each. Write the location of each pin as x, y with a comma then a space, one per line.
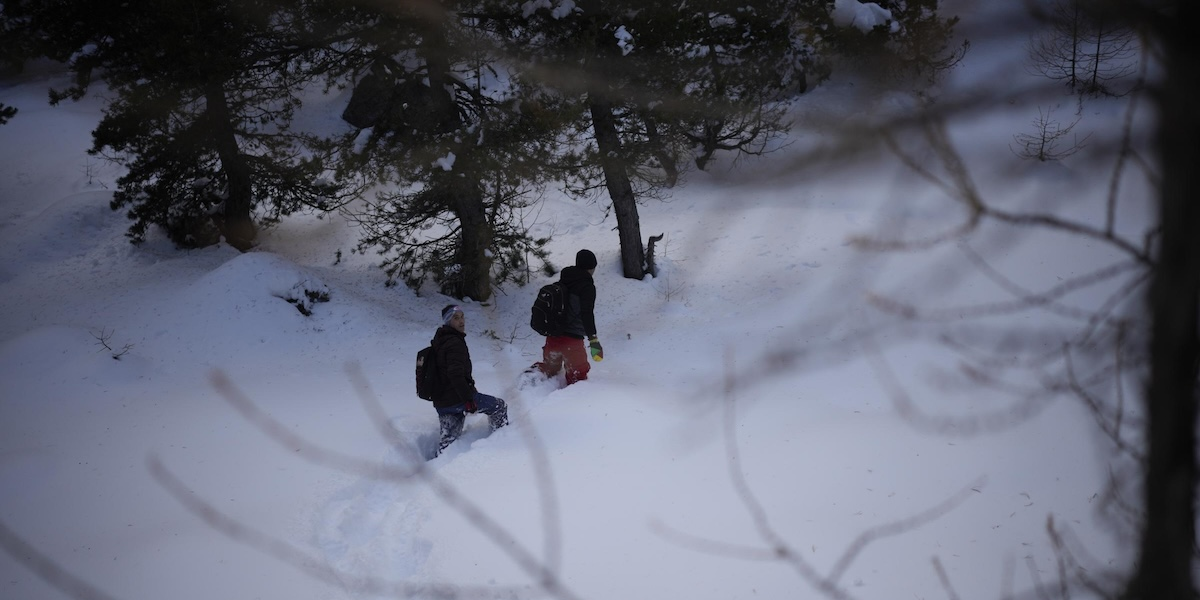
454, 362
581, 302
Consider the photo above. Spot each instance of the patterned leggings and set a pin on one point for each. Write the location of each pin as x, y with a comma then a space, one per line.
451, 418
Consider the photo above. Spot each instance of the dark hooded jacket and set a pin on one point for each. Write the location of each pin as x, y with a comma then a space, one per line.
581, 302
454, 361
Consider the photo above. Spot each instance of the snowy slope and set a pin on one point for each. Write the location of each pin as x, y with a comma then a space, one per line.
625, 486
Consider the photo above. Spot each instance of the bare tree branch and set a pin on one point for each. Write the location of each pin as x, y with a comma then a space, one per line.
713, 547
758, 514
900, 527
945, 579
47, 569
1001, 420
540, 572
310, 565
1024, 298
549, 498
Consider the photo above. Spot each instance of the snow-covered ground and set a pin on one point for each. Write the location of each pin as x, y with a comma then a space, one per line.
223, 445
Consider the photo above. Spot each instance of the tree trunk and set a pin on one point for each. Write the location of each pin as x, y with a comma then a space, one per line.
236, 224
1167, 551
712, 132
620, 190
474, 279
435, 50
476, 274
1076, 40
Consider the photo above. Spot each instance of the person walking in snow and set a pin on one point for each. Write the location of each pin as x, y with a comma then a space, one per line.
458, 395
566, 351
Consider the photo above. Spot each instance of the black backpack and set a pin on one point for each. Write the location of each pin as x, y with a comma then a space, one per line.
548, 315
429, 377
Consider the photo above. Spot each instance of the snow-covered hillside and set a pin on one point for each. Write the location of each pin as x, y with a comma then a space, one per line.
653, 479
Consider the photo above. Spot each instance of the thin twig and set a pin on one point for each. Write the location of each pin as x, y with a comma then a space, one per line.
945, 579
899, 527
541, 573
758, 514
47, 568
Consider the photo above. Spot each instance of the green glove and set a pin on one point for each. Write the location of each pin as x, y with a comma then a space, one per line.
597, 351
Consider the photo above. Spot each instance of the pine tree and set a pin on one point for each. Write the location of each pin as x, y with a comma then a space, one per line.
464, 145
913, 47
663, 83
659, 84
1084, 47
203, 97
738, 64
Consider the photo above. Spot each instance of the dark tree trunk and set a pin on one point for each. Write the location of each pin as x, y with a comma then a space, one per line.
620, 190
474, 280
235, 223
709, 145
476, 275
1076, 41
1167, 552
435, 50
651, 266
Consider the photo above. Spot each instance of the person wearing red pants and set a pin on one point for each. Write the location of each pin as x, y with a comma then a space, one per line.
565, 351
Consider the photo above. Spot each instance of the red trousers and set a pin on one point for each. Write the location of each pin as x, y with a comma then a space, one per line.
567, 353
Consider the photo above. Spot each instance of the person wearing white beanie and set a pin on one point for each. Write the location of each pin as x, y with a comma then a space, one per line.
457, 396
